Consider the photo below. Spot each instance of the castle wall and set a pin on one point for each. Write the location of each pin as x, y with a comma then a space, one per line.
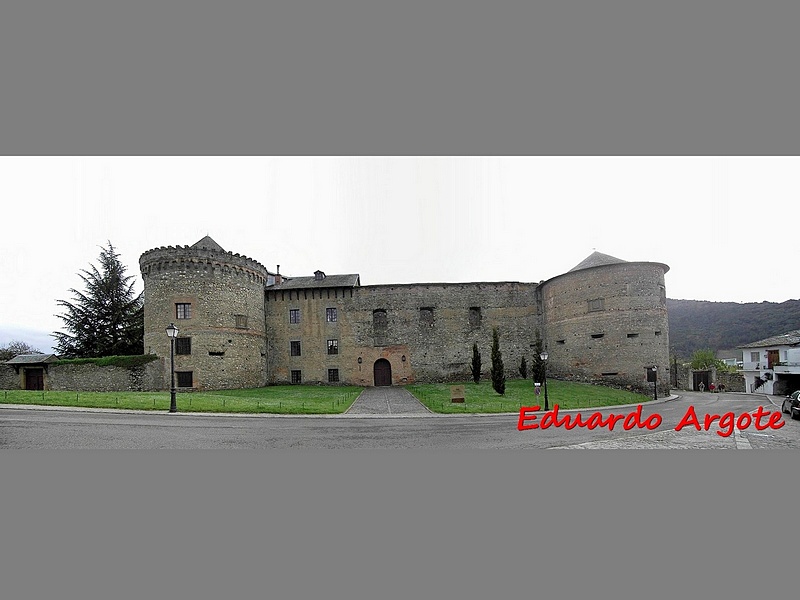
432, 326
607, 324
9, 378
224, 293
92, 378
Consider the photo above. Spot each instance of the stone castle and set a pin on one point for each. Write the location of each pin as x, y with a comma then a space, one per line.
241, 325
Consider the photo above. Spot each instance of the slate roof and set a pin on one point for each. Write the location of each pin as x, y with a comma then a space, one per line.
208, 244
32, 359
329, 281
596, 259
791, 338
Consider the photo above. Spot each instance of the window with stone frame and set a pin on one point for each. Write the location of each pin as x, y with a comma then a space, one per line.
596, 304
294, 315
183, 345
296, 376
333, 346
184, 379
333, 375
330, 315
241, 321
183, 310
294, 348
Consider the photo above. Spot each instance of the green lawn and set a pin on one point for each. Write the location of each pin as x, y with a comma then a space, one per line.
481, 398
314, 399
281, 399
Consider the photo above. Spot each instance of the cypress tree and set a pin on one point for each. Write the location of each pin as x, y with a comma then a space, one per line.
498, 371
523, 368
476, 363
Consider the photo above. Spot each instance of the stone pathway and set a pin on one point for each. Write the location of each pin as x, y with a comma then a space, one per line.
388, 400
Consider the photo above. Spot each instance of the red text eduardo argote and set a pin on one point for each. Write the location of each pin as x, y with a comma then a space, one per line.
726, 422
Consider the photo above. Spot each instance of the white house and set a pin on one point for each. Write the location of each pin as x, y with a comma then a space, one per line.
772, 366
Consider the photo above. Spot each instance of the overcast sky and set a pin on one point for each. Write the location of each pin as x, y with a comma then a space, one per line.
724, 225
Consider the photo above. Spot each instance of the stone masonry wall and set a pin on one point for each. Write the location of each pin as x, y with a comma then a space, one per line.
607, 324
432, 326
225, 327
89, 377
9, 379
93, 378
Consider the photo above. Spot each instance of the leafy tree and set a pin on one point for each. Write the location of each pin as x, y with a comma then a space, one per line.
523, 368
15, 348
476, 363
106, 319
538, 364
706, 359
497, 371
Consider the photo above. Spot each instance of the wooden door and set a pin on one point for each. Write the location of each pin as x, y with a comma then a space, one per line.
34, 379
383, 372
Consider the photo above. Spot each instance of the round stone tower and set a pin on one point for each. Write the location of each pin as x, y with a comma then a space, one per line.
216, 300
605, 320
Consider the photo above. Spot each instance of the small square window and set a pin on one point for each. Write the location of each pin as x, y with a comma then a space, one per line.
241, 321
184, 378
333, 346
426, 316
296, 377
474, 316
330, 315
183, 310
596, 304
658, 333
333, 375
183, 345
294, 348
294, 315
379, 318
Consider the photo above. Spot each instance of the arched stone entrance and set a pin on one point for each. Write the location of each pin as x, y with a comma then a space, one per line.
383, 372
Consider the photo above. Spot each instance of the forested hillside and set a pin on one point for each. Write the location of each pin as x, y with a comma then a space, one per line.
696, 324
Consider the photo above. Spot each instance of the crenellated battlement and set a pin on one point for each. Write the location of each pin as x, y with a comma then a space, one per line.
202, 261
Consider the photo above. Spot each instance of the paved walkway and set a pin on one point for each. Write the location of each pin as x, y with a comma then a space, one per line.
386, 400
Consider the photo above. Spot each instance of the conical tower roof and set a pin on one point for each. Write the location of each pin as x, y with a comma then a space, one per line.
208, 244
596, 259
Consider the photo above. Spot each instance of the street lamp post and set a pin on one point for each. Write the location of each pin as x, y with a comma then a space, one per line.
655, 382
172, 333
544, 356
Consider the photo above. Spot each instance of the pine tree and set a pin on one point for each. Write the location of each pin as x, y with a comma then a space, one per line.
476, 363
106, 319
498, 371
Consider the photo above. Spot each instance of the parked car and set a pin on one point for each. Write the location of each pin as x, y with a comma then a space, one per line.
791, 405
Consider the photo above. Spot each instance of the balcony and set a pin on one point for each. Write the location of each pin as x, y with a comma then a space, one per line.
786, 368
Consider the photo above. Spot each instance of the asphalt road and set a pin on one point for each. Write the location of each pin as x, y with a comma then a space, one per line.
46, 428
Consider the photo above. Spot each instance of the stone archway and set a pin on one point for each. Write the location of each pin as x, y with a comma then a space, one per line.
383, 372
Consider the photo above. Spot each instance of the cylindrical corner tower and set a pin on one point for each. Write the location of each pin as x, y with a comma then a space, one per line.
216, 300
606, 321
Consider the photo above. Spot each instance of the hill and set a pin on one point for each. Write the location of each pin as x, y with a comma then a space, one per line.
696, 324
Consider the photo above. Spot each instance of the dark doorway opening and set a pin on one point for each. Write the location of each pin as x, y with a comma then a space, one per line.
383, 372
699, 377
34, 379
